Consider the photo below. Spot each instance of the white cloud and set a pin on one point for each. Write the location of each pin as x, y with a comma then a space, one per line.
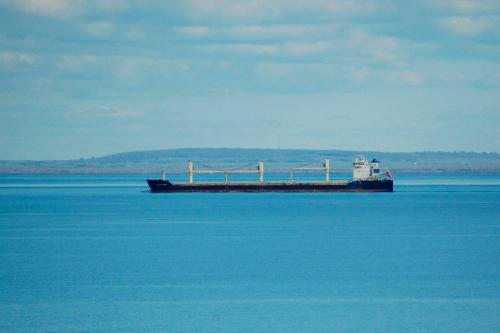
113, 5
99, 29
144, 67
122, 67
78, 62
260, 31
132, 67
133, 33
466, 6
350, 7
465, 25
471, 5
291, 49
402, 77
193, 31
451, 77
262, 49
104, 111
306, 48
489, 80
257, 31
360, 74
226, 10
64, 9
113, 112
331, 74
297, 71
54, 8
232, 9
10, 58
380, 48
264, 9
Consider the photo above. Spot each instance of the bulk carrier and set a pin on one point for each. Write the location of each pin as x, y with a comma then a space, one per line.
367, 177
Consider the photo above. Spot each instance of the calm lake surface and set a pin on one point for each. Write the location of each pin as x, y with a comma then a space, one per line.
101, 254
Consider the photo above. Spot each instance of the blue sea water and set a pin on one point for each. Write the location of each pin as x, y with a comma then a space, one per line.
101, 254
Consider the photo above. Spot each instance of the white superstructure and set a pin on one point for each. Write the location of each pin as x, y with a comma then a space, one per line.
363, 170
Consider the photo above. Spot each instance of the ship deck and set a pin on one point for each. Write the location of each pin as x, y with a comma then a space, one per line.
260, 184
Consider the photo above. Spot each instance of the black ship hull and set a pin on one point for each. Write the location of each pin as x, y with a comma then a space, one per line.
165, 186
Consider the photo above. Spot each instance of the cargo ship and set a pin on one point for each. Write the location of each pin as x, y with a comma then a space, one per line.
367, 177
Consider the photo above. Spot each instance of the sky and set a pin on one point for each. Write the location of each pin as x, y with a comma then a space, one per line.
89, 78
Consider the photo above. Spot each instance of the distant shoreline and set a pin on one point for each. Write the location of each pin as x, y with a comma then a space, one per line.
174, 161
